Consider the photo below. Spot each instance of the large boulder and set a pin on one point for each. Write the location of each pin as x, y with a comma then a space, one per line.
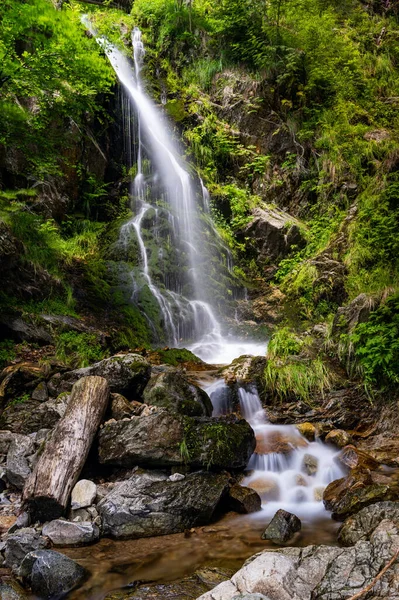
126, 374
150, 504
273, 232
32, 415
65, 533
163, 439
19, 544
51, 574
282, 527
361, 525
322, 572
172, 390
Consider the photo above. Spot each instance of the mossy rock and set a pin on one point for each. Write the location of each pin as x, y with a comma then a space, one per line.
171, 390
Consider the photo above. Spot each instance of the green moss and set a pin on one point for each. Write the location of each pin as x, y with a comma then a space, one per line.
176, 356
7, 352
79, 349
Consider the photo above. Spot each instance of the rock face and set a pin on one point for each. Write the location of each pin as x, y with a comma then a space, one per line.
322, 572
64, 533
282, 527
83, 494
51, 574
126, 374
162, 439
244, 499
273, 232
361, 525
19, 544
150, 504
172, 391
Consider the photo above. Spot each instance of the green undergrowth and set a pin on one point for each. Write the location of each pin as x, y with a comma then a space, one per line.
176, 356
79, 349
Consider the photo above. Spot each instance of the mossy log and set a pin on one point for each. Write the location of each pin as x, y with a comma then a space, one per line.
48, 488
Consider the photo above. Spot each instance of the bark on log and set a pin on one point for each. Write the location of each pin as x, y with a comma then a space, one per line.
48, 488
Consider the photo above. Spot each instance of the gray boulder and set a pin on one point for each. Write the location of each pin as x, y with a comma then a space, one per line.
33, 415
19, 544
163, 439
40, 393
322, 572
17, 464
126, 374
150, 504
51, 574
172, 391
282, 527
83, 494
65, 533
361, 525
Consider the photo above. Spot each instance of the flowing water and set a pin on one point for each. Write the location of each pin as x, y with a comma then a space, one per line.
286, 470
163, 190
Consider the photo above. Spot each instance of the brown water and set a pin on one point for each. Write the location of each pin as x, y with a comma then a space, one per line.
226, 545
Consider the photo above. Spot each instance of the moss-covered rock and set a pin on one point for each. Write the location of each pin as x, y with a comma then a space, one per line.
173, 391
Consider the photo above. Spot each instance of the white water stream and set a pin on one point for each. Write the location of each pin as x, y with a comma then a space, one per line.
188, 316
286, 470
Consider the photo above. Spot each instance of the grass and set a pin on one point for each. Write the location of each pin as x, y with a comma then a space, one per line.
79, 349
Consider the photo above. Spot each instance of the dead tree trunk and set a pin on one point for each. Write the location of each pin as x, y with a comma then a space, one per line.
48, 488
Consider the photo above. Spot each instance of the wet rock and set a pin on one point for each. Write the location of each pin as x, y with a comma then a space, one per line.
51, 574
17, 465
12, 591
282, 527
65, 533
308, 430
273, 232
244, 499
126, 374
149, 504
353, 457
322, 572
83, 494
172, 391
338, 437
361, 525
40, 393
32, 415
310, 464
318, 493
245, 369
176, 477
19, 544
267, 489
163, 439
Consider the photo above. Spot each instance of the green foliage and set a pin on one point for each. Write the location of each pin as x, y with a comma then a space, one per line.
7, 352
284, 342
79, 349
19, 400
376, 345
177, 356
297, 378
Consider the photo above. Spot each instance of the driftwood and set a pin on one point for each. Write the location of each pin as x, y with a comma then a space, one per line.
48, 488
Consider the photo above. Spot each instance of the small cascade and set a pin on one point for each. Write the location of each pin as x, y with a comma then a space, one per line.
173, 265
286, 470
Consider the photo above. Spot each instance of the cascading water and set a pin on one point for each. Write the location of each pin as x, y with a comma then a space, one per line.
181, 294
286, 470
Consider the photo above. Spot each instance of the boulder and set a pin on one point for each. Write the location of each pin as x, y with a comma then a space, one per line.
163, 439
126, 374
6, 437
353, 457
17, 465
32, 415
121, 408
51, 574
244, 499
83, 494
282, 527
19, 544
361, 525
150, 504
40, 393
245, 370
322, 572
65, 533
338, 437
273, 233
12, 591
171, 390
308, 430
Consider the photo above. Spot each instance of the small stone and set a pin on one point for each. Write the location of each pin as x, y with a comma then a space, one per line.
318, 493
23, 520
177, 477
6, 521
244, 499
40, 392
310, 464
308, 430
51, 574
300, 480
83, 494
65, 533
339, 438
282, 527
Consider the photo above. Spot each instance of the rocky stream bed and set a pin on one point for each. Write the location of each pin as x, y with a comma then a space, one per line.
164, 506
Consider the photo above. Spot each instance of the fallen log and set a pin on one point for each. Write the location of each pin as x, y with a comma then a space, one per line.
48, 488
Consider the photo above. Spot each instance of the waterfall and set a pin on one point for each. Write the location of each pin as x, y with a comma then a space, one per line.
286, 470
162, 184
